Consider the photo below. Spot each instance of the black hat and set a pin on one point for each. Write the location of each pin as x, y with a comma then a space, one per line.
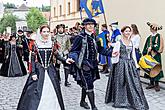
104, 25
66, 27
114, 23
20, 30
154, 26
29, 31
12, 35
60, 25
88, 21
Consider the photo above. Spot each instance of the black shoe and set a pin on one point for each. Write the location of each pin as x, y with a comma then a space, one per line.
105, 72
84, 104
107, 75
67, 84
157, 88
94, 108
150, 86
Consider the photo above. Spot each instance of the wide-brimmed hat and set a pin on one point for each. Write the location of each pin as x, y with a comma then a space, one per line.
154, 26
116, 23
89, 21
29, 31
20, 30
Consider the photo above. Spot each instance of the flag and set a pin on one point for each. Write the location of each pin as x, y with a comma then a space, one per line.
92, 7
116, 36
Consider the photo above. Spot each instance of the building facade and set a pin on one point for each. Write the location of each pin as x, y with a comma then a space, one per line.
65, 11
47, 16
21, 13
125, 12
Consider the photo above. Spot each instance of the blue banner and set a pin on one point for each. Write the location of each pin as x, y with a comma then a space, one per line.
92, 7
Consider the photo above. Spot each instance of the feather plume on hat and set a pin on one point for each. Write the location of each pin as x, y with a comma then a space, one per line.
154, 26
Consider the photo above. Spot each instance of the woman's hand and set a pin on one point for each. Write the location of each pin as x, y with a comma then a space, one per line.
114, 54
34, 77
69, 61
109, 44
149, 49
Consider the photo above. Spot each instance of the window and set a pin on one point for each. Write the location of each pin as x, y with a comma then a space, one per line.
78, 5
60, 10
54, 11
68, 7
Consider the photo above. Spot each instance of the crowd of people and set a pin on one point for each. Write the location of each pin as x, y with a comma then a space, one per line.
81, 50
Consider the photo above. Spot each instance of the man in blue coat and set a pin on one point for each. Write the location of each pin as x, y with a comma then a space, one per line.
103, 36
84, 52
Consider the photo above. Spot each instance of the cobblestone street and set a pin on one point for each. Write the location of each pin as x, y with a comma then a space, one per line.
11, 88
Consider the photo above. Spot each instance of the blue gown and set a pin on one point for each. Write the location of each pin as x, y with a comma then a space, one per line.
13, 65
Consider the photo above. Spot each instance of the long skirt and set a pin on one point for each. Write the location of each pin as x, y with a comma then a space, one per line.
44, 93
124, 89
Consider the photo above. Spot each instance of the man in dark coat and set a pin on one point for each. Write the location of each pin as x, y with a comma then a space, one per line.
24, 43
1, 49
84, 52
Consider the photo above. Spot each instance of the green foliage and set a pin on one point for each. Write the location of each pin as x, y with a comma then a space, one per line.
35, 19
45, 8
8, 19
9, 5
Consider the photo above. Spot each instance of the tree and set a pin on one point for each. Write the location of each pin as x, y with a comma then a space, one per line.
46, 8
8, 19
9, 5
35, 19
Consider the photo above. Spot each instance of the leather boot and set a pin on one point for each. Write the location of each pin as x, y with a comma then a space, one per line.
82, 102
66, 72
94, 108
91, 98
157, 87
151, 85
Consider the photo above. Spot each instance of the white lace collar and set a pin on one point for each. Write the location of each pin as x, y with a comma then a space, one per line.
43, 43
89, 33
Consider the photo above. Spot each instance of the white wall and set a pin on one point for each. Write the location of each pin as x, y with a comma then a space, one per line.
138, 12
20, 14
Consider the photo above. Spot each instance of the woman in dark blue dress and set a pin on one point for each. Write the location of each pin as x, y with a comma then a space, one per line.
13, 65
42, 90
